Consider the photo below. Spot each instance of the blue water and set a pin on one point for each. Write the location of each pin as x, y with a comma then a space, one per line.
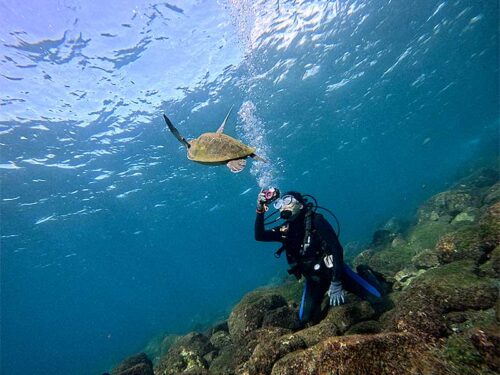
110, 236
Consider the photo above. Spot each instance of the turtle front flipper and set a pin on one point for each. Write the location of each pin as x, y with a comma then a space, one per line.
236, 165
175, 132
221, 128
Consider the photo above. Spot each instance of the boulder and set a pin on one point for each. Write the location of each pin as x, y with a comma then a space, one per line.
317, 333
465, 217
385, 353
284, 317
473, 241
217, 327
480, 179
404, 277
159, 346
491, 267
425, 235
186, 354
138, 364
268, 352
248, 315
363, 258
368, 326
232, 358
220, 339
389, 260
487, 342
344, 316
462, 321
471, 352
382, 237
446, 205
489, 227
453, 287
425, 259
226, 362
492, 196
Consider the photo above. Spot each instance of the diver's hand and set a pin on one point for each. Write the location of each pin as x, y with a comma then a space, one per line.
261, 200
336, 293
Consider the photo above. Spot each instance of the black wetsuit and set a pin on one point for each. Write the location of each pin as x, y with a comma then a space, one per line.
309, 263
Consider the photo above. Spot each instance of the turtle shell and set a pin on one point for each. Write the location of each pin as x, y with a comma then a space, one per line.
216, 148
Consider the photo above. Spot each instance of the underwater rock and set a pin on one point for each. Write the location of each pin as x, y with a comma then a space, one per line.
395, 225
464, 217
221, 326
232, 358
249, 313
363, 258
385, 353
291, 290
452, 287
225, 363
317, 333
368, 326
220, 339
461, 321
344, 316
489, 227
479, 179
491, 267
399, 254
474, 350
425, 235
488, 345
268, 352
284, 317
492, 196
425, 259
159, 346
187, 353
463, 244
382, 238
398, 241
404, 277
389, 260
460, 354
472, 242
138, 364
447, 204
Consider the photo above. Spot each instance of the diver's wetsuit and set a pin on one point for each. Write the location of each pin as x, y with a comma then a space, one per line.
324, 242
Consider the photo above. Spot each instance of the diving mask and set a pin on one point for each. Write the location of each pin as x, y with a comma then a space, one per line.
284, 201
289, 207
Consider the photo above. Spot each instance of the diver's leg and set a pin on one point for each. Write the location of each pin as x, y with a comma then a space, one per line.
310, 307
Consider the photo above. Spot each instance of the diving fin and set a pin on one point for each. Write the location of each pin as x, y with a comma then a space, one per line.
362, 282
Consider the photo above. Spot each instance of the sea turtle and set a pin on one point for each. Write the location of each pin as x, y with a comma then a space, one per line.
216, 148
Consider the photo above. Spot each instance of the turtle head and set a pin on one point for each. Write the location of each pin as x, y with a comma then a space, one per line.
192, 149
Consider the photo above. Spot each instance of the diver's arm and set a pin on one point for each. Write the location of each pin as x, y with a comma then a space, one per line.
328, 234
261, 234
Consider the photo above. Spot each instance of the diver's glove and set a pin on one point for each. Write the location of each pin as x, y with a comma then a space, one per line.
336, 293
261, 200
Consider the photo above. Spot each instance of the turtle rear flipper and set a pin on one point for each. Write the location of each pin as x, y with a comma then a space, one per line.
236, 165
175, 132
256, 157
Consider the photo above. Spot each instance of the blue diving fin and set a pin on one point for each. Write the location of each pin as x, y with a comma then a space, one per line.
362, 282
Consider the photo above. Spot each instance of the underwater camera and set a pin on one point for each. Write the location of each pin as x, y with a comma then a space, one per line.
271, 194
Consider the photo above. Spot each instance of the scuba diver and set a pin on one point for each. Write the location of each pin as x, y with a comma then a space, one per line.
312, 250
